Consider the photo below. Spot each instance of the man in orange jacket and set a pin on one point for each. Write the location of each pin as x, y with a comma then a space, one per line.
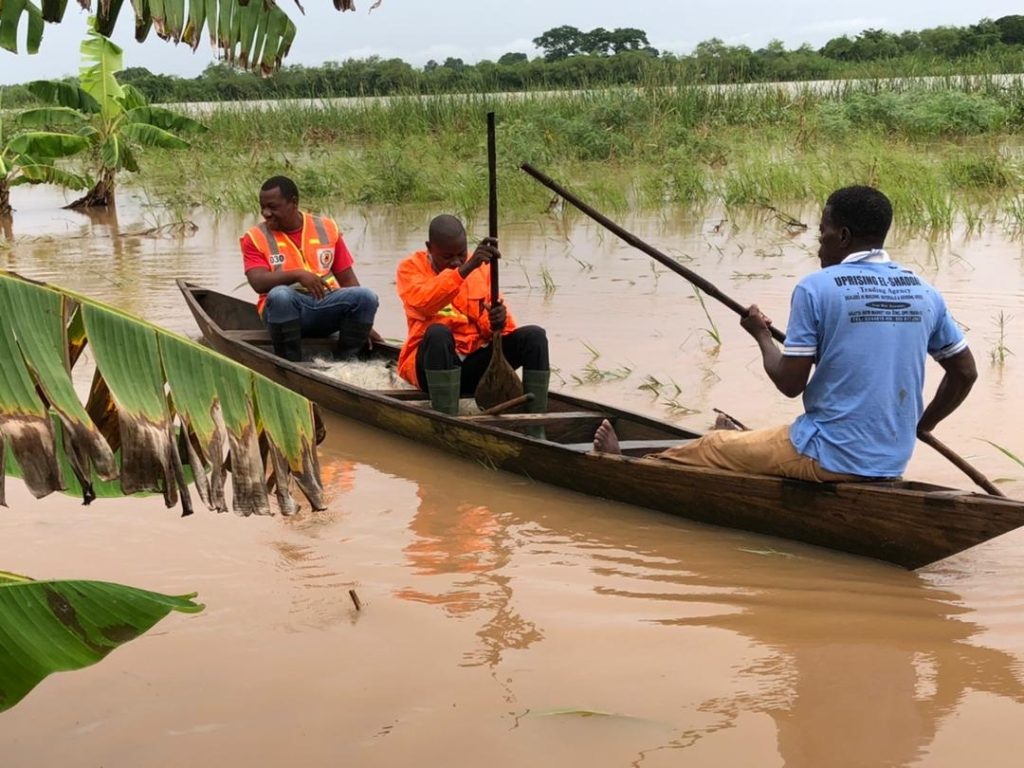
301, 268
446, 293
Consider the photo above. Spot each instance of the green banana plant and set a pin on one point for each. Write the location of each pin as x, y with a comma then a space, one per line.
254, 35
113, 119
158, 403
28, 158
124, 441
57, 626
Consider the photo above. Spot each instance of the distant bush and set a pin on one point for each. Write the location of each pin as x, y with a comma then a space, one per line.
974, 171
919, 113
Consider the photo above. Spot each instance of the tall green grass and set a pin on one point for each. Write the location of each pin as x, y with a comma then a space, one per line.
942, 150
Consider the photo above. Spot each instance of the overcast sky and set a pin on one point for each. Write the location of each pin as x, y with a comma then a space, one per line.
418, 30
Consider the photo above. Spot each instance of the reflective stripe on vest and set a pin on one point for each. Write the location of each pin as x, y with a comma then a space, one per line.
321, 231
276, 259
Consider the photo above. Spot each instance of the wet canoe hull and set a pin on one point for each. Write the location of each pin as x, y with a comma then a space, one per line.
905, 523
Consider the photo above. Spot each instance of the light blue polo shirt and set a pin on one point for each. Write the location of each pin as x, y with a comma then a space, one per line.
869, 323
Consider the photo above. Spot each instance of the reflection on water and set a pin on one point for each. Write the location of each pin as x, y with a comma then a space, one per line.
496, 611
467, 542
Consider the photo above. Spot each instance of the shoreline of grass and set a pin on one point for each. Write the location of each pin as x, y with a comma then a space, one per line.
943, 151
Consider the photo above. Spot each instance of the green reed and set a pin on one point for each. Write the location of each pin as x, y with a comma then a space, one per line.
1000, 351
936, 149
550, 286
1005, 451
713, 331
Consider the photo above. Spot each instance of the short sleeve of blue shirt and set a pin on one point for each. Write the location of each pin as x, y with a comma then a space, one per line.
802, 334
947, 339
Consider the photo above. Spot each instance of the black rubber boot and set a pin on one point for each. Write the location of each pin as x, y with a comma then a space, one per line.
443, 387
287, 340
352, 339
536, 383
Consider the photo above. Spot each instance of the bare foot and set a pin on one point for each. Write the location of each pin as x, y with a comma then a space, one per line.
605, 439
722, 421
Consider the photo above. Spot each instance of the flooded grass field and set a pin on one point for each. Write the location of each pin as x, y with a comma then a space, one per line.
509, 622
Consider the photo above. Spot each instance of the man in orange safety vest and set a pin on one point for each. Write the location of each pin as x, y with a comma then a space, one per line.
301, 268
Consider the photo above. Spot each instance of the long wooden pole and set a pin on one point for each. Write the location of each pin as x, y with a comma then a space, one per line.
925, 437
640, 245
929, 439
492, 199
499, 384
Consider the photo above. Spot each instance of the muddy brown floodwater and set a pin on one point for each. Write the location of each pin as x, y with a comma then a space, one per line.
509, 623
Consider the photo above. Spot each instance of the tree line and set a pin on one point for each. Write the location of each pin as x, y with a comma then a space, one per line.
573, 58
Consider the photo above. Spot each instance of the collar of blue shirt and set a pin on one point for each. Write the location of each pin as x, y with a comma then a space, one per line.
874, 256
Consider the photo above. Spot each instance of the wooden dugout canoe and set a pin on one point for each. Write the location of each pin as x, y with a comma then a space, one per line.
906, 523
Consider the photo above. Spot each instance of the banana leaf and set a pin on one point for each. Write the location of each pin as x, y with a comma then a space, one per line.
151, 136
63, 95
101, 60
45, 173
106, 16
164, 118
110, 152
133, 97
174, 20
143, 19
94, 487
24, 423
44, 117
38, 320
11, 12
53, 10
288, 424
196, 21
192, 385
156, 398
279, 35
56, 626
128, 161
44, 144
261, 42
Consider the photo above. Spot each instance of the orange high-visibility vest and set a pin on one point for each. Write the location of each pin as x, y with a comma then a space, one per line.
319, 239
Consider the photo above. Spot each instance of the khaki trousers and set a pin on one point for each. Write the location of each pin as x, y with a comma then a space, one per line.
759, 452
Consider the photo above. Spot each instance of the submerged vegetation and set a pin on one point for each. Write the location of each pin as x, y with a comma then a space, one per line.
940, 150
1000, 351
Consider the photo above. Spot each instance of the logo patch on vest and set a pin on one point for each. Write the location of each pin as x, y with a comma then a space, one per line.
325, 256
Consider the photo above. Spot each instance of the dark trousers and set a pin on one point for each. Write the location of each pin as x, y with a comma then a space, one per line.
526, 347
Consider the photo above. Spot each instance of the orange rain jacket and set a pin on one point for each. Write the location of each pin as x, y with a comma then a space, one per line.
319, 238
447, 298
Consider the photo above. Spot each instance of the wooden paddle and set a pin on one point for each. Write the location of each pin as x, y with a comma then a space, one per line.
499, 383
929, 439
735, 306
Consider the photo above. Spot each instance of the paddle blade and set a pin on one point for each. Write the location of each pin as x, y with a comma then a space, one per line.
499, 383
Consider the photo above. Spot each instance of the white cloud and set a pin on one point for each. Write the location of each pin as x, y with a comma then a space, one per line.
839, 26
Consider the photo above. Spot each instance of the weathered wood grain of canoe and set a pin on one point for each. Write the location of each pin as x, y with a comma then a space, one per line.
906, 523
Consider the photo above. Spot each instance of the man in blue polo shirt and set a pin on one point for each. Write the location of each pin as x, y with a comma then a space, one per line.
865, 325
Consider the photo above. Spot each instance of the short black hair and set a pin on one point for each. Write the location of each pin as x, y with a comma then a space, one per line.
445, 227
864, 210
288, 189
